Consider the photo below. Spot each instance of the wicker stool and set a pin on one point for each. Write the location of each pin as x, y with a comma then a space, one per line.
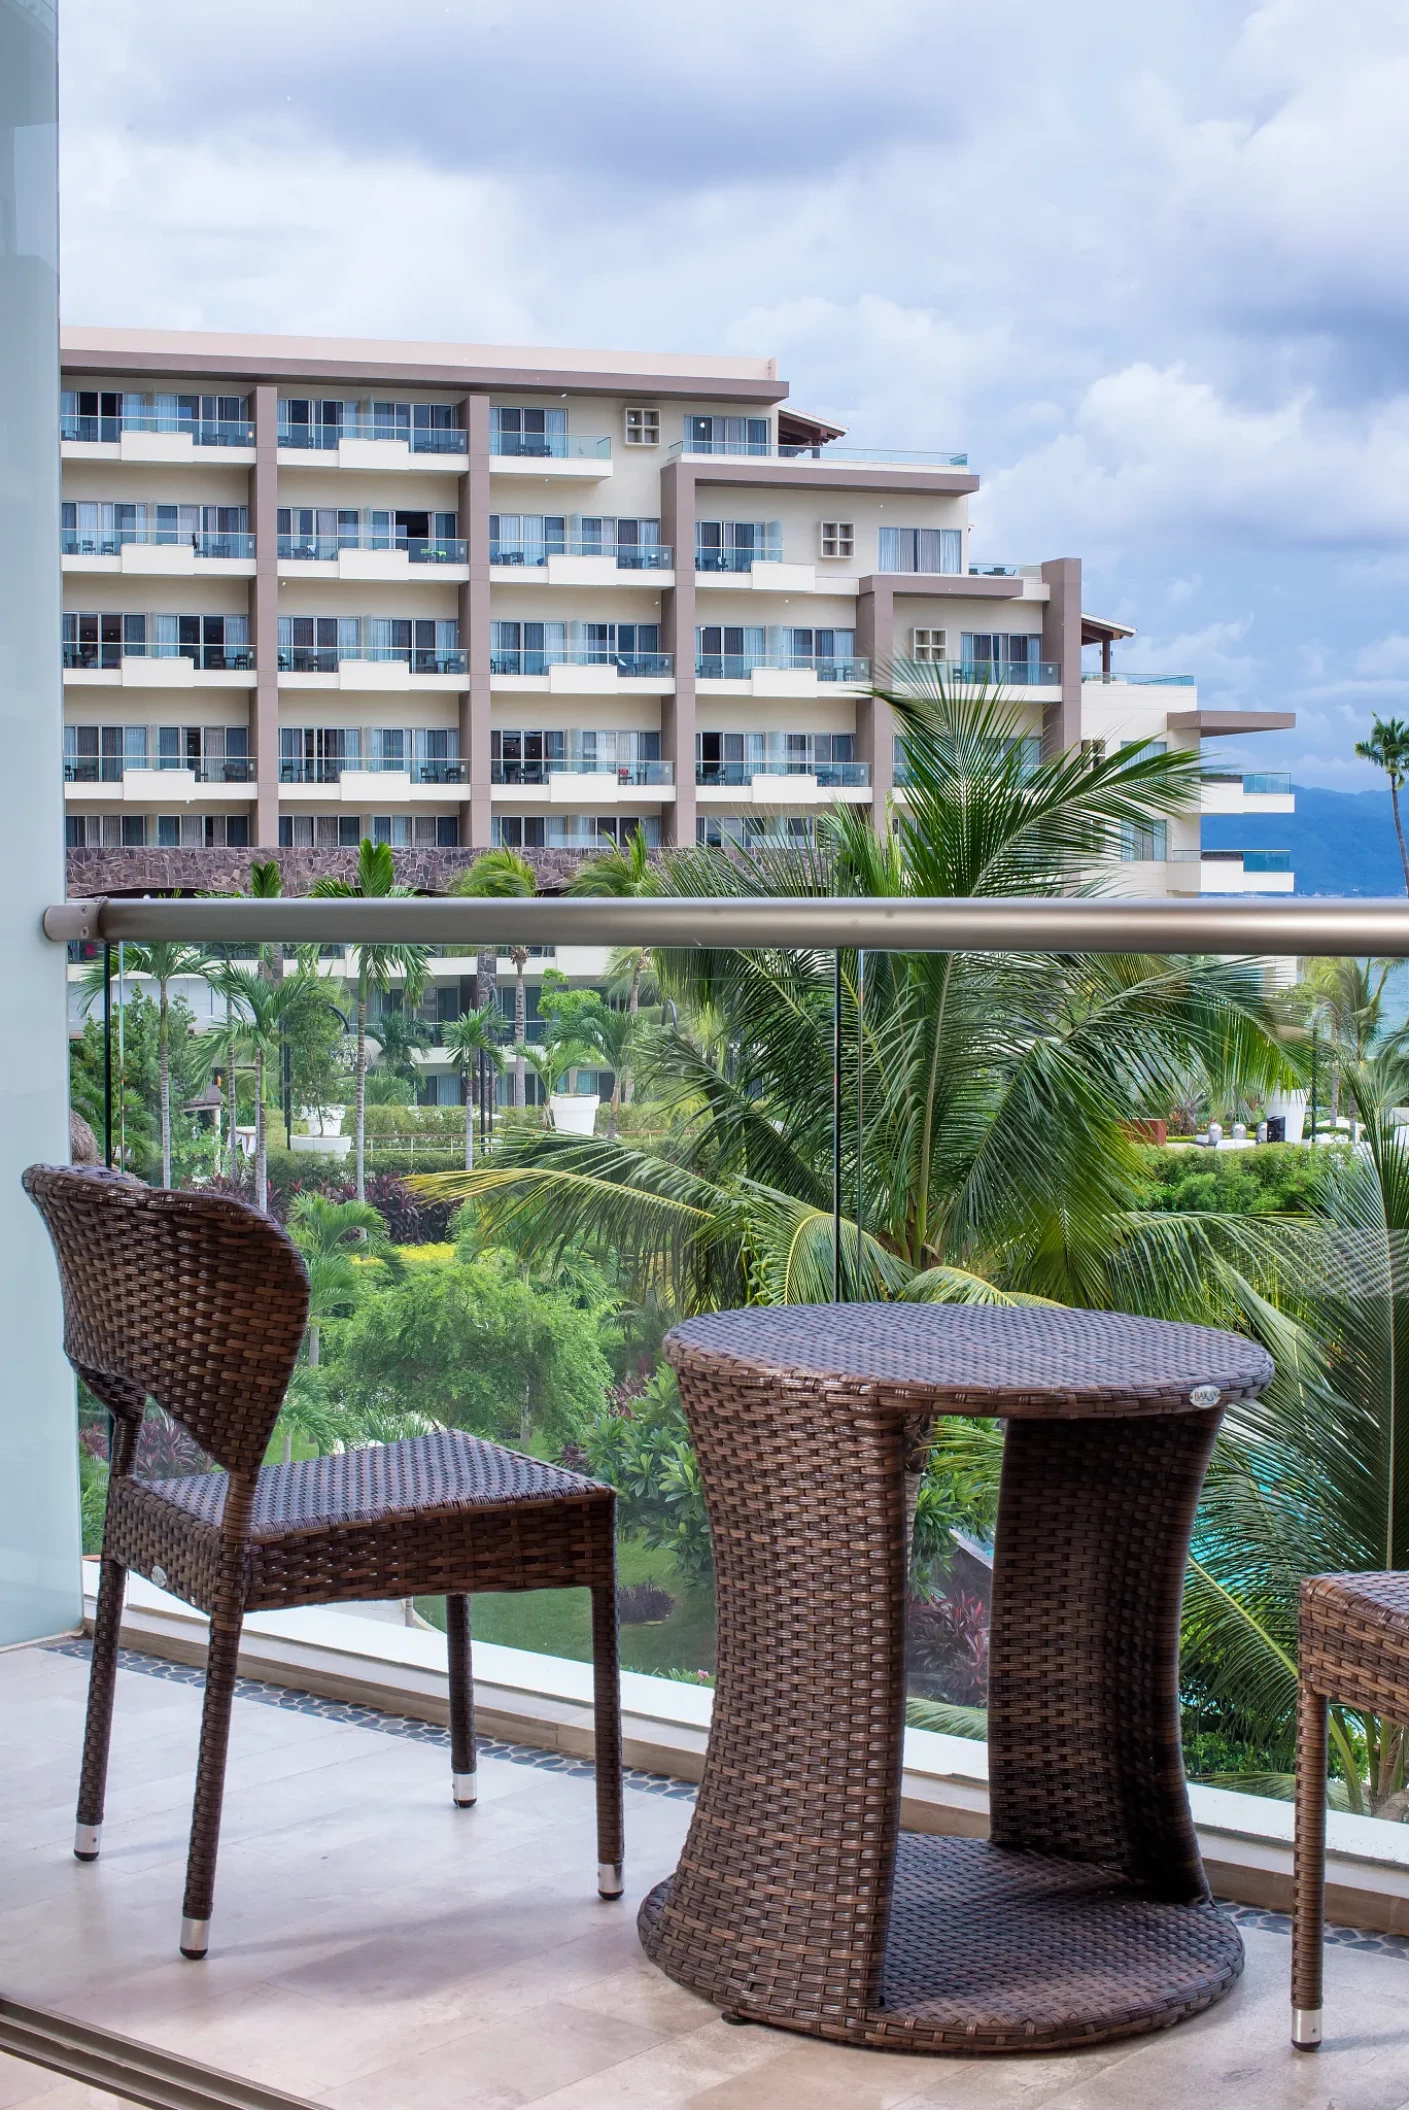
1085, 1914
199, 1303
1354, 1648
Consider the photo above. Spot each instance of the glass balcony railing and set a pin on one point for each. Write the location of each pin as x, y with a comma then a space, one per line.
421, 439
325, 549
736, 559
110, 769
822, 451
629, 556
630, 665
324, 769
205, 543
211, 659
1145, 681
577, 765
204, 432
739, 666
1249, 860
1265, 783
990, 673
551, 446
325, 659
833, 776
994, 571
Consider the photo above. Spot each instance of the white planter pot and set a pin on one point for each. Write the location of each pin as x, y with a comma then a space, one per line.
575, 1113
1292, 1108
326, 1121
322, 1146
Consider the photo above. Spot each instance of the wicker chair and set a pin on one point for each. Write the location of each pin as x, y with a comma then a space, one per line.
1354, 1648
199, 1303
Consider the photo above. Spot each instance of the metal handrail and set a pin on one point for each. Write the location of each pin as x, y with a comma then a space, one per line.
1346, 929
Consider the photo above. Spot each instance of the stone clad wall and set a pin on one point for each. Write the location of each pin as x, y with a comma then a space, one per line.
155, 871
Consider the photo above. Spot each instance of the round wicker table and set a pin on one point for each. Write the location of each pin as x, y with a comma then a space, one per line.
1085, 1915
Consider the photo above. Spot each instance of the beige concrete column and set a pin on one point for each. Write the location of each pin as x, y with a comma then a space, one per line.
875, 720
264, 614
1061, 642
677, 613
475, 811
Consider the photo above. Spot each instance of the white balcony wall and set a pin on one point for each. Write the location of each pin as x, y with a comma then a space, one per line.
40, 1590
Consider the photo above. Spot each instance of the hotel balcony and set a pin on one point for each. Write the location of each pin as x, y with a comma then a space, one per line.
579, 563
1232, 871
581, 670
371, 667
783, 783
365, 784
159, 553
568, 456
365, 556
582, 783
109, 665
371, 443
1259, 791
824, 452
775, 674
115, 780
137, 436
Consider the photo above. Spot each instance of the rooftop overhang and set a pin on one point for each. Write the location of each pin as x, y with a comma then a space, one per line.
948, 585
1209, 724
1097, 630
333, 362
797, 429
812, 474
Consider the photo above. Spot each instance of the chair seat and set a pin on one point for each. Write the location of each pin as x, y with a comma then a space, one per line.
426, 1516
419, 1476
1355, 1639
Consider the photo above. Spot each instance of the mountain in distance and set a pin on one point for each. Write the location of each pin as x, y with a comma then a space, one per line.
1342, 842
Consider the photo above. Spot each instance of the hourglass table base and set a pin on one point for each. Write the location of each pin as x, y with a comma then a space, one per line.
1086, 1915
991, 1949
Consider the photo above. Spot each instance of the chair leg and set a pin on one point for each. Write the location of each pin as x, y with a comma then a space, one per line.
463, 1780
606, 1709
97, 1735
1309, 1869
221, 1660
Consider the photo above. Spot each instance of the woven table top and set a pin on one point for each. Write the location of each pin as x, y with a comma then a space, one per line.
978, 1359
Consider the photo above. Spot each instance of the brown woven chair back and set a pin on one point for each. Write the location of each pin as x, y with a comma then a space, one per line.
194, 1300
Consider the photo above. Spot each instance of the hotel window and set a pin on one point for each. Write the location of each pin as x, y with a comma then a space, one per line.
643, 428
527, 431
526, 538
1144, 842
709, 435
921, 549
1014, 656
837, 538
929, 645
737, 545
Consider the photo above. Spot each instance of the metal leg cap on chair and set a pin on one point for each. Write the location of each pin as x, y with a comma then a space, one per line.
1306, 2028
87, 1838
464, 1788
195, 1938
610, 1880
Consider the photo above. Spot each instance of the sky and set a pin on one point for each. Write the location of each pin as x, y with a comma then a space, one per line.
1148, 266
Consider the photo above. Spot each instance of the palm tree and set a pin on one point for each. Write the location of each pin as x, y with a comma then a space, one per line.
623, 874
397, 1032
996, 1155
332, 1236
504, 874
472, 1041
165, 962
1388, 748
1347, 997
265, 1011
378, 967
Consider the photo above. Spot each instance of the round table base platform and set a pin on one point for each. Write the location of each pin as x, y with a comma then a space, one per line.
997, 1950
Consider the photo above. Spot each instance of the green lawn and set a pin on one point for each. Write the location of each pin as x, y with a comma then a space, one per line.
558, 1622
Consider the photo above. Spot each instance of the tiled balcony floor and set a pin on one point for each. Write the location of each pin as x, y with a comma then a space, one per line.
374, 1948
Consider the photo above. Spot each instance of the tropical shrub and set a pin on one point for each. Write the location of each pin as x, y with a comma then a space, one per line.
639, 1442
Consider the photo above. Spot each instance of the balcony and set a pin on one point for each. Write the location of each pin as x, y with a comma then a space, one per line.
824, 452
541, 556
377, 433
995, 571
826, 776
993, 674
1238, 871
155, 551
540, 447
577, 668
1142, 681
533, 775
147, 436
736, 560
1258, 791
372, 666
780, 673
333, 549
155, 665
116, 769
322, 770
